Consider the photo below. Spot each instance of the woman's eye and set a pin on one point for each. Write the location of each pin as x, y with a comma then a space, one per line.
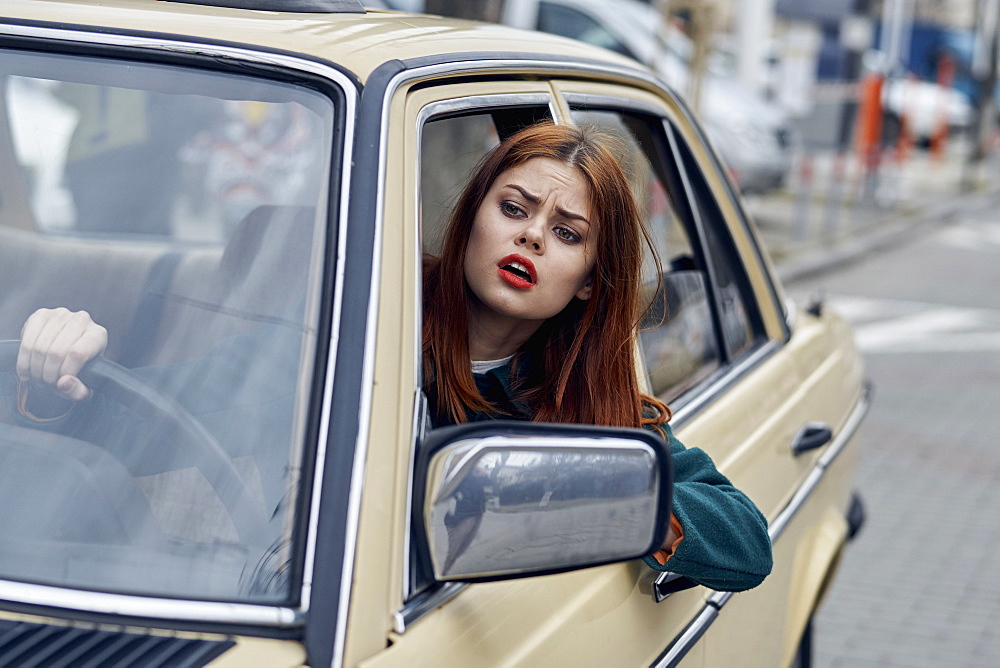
510, 209
567, 234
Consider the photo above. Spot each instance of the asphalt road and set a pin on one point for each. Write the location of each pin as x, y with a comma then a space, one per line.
920, 586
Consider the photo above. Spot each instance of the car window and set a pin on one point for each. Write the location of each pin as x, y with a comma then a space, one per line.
569, 22
679, 342
185, 211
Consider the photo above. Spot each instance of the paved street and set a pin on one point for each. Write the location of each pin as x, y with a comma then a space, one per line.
921, 584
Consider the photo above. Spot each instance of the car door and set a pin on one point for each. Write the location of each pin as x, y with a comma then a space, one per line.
724, 359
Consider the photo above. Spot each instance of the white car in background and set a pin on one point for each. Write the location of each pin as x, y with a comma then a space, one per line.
754, 136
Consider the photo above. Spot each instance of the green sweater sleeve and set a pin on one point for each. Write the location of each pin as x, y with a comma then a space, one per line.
726, 546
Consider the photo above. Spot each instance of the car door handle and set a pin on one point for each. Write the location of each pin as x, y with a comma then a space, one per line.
812, 435
670, 583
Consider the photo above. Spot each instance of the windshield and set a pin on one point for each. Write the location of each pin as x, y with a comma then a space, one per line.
184, 210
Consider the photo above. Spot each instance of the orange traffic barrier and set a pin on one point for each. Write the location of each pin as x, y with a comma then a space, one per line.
868, 133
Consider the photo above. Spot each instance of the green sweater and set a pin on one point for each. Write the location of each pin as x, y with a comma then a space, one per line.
725, 546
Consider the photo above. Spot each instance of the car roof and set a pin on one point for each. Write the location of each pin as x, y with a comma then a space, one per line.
357, 42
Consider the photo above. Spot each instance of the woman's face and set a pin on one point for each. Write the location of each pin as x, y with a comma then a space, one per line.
532, 244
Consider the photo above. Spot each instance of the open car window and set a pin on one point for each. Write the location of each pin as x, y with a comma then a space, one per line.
185, 211
700, 315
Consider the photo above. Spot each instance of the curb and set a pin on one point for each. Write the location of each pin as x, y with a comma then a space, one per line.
883, 235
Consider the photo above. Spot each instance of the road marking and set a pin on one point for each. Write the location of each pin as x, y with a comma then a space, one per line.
899, 326
978, 237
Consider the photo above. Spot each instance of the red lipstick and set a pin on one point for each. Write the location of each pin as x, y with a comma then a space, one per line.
517, 271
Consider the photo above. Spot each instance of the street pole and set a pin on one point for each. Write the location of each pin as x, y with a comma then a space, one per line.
984, 71
754, 28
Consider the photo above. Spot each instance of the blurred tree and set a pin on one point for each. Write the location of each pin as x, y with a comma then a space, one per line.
480, 10
700, 19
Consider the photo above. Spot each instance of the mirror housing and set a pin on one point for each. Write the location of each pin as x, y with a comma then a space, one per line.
507, 499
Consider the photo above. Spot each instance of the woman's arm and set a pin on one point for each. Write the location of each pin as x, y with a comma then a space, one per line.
724, 545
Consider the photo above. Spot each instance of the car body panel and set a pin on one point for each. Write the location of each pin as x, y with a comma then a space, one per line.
746, 416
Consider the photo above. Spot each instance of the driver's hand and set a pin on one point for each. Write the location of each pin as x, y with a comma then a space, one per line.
55, 345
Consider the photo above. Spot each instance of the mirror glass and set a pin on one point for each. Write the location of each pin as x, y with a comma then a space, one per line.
511, 505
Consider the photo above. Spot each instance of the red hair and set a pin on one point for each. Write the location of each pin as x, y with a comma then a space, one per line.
582, 359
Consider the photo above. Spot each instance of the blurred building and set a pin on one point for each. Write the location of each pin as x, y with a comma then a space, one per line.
955, 14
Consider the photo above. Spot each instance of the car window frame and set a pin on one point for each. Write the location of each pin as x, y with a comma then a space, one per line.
560, 74
342, 88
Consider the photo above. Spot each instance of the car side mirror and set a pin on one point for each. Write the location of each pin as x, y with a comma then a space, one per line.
515, 499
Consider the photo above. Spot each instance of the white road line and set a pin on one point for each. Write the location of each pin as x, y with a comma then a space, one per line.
899, 326
978, 237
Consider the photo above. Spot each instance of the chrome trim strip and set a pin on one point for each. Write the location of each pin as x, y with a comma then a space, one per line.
174, 46
478, 101
777, 527
692, 634
592, 69
719, 598
833, 450
323, 436
365, 400
426, 113
216, 611
148, 607
417, 429
419, 607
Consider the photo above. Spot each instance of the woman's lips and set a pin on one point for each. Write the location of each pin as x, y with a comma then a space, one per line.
517, 271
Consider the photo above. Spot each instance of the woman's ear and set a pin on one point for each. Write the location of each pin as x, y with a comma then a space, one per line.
583, 294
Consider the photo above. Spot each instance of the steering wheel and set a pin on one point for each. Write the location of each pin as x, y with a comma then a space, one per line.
142, 398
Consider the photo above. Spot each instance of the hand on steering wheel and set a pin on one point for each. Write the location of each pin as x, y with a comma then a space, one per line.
62, 351
55, 346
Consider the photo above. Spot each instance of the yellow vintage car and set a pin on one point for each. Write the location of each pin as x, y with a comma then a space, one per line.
241, 192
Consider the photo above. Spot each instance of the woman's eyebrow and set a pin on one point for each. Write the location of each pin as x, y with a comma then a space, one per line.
535, 199
572, 216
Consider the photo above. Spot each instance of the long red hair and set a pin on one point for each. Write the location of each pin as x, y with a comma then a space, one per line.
582, 359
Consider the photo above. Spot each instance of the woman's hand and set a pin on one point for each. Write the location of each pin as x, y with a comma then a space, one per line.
55, 345
672, 536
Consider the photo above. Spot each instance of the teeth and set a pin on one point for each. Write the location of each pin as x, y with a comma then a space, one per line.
520, 270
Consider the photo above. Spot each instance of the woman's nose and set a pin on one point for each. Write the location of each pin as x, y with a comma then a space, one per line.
532, 237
